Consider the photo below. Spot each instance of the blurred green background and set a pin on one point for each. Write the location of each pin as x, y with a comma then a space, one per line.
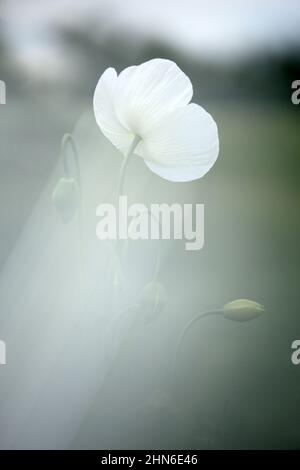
236, 386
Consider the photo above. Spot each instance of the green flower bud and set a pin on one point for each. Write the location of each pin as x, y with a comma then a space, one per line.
153, 300
243, 310
65, 198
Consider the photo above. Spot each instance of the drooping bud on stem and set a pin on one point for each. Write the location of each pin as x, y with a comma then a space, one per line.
242, 310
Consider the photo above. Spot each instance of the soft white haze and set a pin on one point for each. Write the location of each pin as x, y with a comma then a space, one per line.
216, 29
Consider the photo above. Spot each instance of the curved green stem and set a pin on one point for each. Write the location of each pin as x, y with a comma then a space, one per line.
133, 145
113, 324
68, 139
185, 331
158, 259
119, 192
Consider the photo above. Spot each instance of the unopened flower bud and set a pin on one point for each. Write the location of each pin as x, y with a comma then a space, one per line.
242, 310
65, 198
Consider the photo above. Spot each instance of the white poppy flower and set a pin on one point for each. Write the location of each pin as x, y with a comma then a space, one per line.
151, 102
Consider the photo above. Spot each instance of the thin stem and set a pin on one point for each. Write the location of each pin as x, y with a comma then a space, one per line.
185, 330
158, 259
112, 332
119, 192
68, 139
133, 145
